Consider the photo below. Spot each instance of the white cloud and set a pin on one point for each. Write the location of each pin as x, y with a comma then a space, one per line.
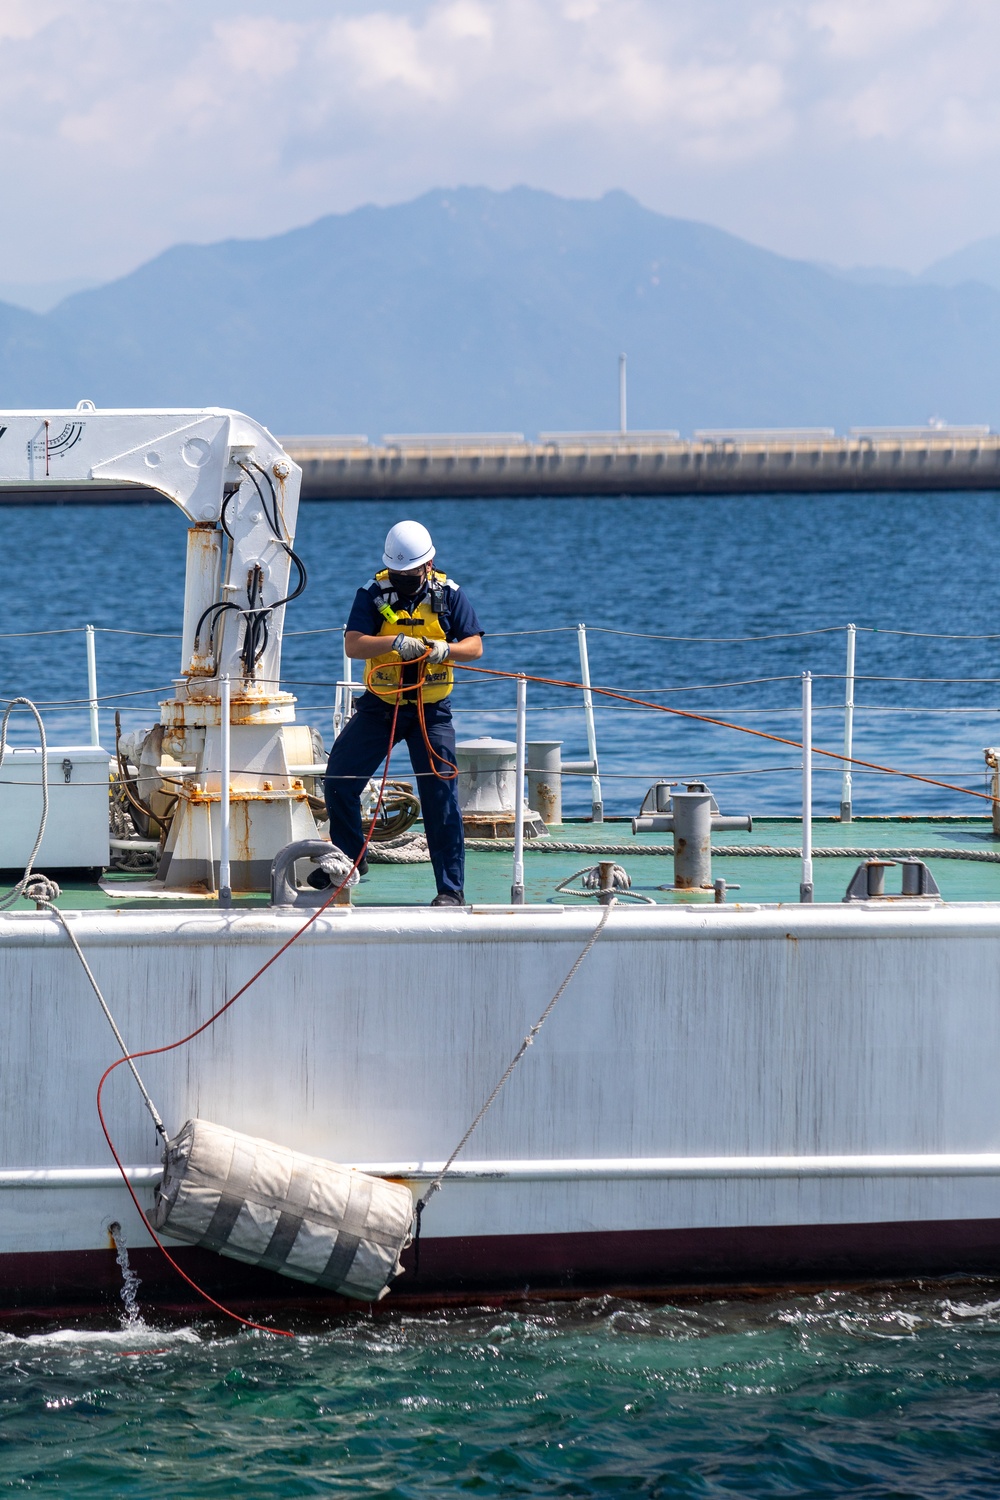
262, 45
840, 129
856, 30
381, 52
21, 19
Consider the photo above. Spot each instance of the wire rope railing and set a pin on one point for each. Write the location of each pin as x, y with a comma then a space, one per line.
472, 703
647, 635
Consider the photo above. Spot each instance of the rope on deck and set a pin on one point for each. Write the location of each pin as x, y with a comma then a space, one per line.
413, 850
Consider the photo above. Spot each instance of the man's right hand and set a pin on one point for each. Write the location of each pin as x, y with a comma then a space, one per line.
408, 648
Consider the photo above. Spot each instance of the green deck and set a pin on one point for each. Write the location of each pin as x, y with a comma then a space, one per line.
760, 878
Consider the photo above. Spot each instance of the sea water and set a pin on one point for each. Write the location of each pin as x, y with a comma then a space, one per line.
864, 1393
876, 1394
710, 605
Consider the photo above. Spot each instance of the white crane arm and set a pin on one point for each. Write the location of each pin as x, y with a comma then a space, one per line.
222, 470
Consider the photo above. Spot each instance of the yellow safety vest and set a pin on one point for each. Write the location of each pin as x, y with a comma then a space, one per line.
385, 673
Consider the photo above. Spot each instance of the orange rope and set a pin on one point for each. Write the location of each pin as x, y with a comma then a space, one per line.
761, 734
418, 689
432, 754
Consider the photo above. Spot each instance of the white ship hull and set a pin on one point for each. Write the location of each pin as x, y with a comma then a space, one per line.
723, 1095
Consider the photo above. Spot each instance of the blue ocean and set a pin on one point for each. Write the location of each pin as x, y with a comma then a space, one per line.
714, 606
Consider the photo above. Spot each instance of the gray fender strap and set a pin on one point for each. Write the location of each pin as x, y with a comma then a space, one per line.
289, 1221
232, 1198
337, 1268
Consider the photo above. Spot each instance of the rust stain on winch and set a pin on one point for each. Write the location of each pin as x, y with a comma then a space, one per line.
192, 793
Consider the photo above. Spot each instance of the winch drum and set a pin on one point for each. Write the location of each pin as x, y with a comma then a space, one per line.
298, 1215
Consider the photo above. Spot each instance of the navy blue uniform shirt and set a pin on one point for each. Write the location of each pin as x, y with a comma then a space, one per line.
458, 618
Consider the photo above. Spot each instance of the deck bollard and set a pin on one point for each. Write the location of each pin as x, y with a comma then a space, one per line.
545, 779
694, 815
606, 881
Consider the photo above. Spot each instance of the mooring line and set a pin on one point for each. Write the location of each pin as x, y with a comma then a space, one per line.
518, 1055
45, 898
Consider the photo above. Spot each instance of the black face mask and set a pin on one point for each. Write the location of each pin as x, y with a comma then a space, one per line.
407, 585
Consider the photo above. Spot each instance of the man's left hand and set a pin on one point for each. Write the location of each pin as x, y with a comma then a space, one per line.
439, 651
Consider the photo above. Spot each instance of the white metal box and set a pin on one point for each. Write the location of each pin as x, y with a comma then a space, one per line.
76, 834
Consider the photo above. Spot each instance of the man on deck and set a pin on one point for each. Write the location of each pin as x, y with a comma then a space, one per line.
408, 623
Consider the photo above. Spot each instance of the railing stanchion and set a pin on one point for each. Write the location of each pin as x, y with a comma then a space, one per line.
95, 725
343, 698
596, 798
806, 885
845, 789
225, 879
517, 888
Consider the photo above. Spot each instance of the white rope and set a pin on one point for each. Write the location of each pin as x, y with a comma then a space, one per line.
404, 850
590, 879
413, 850
525, 1044
44, 892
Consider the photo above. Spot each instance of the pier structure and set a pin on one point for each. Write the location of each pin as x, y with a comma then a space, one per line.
712, 462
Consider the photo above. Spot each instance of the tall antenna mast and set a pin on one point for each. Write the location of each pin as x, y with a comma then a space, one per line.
622, 404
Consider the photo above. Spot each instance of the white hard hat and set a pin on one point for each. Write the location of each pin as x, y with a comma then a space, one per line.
407, 546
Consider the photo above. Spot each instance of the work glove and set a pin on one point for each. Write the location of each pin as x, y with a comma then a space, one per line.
407, 647
440, 651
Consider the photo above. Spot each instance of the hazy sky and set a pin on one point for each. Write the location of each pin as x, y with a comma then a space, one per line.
855, 131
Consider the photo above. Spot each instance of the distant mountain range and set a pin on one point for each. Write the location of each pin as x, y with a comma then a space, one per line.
470, 310
977, 262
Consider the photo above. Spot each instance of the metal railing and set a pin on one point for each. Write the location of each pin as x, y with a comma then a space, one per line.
346, 688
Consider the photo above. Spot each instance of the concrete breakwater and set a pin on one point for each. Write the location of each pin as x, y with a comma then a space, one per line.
647, 463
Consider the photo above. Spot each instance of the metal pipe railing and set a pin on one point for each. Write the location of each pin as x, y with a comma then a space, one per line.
95, 724
845, 788
517, 885
596, 797
806, 885
225, 879
344, 692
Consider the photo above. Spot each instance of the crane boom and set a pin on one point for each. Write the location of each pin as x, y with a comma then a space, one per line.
239, 490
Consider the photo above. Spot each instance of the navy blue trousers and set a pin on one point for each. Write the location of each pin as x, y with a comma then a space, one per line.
358, 753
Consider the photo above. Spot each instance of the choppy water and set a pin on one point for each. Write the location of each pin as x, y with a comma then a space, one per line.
721, 567
881, 1395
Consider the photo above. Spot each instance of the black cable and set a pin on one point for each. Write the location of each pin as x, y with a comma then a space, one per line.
303, 578
257, 634
272, 514
276, 516
222, 513
213, 609
286, 546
